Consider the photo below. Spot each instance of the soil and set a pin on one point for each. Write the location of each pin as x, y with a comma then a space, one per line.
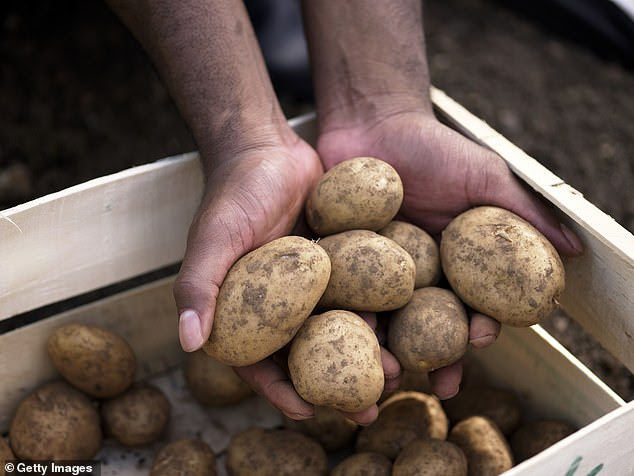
79, 99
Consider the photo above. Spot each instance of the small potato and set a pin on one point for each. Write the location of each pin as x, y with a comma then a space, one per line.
363, 464
361, 193
184, 457
55, 422
369, 272
422, 248
260, 452
403, 417
430, 331
139, 416
5, 455
328, 427
265, 298
430, 457
483, 444
335, 361
94, 360
500, 265
534, 437
213, 383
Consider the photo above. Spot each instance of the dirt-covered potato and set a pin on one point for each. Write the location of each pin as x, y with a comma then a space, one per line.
265, 298
261, 452
211, 382
535, 436
363, 464
360, 193
184, 457
139, 416
430, 457
335, 361
502, 266
500, 405
97, 361
430, 331
5, 454
55, 422
484, 445
403, 417
329, 427
369, 272
422, 248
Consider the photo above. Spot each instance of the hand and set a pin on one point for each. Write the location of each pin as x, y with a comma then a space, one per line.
443, 174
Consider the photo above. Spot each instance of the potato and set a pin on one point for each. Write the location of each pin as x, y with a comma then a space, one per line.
260, 452
369, 272
94, 360
430, 457
403, 417
483, 444
55, 422
5, 455
500, 265
534, 437
421, 247
500, 405
430, 331
139, 416
211, 382
359, 193
363, 464
328, 427
265, 298
335, 361
184, 457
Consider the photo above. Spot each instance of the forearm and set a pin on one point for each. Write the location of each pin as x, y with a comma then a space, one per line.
209, 59
367, 55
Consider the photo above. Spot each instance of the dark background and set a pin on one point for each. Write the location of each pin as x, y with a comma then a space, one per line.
79, 99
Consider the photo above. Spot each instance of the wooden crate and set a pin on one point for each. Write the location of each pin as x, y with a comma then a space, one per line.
124, 227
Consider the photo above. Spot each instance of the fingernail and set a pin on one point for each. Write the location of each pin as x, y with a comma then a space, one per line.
450, 394
571, 238
483, 341
189, 331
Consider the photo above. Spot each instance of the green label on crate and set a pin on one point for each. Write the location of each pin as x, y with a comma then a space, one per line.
575, 465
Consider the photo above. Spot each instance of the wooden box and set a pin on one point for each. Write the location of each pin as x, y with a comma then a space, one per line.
105, 252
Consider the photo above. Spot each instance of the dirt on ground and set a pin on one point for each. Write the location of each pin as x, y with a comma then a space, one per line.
80, 99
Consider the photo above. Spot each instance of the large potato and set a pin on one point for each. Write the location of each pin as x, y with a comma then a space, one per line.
363, 464
335, 361
332, 430
265, 298
369, 272
184, 457
94, 360
260, 452
535, 436
360, 193
55, 422
422, 248
403, 417
430, 457
430, 331
500, 265
211, 382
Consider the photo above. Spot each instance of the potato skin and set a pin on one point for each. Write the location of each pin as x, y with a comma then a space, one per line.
502, 266
260, 452
369, 272
335, 361
328, 427
359, 193
184, 457
363, 464
265, 298
5, 455
98, 362
403, 417
55, 422
211, 382
430, 457
422, 248
534, 437
139, 416
484, 445
430, 331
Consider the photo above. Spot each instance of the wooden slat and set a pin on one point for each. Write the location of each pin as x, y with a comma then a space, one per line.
145, 316
599, 285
